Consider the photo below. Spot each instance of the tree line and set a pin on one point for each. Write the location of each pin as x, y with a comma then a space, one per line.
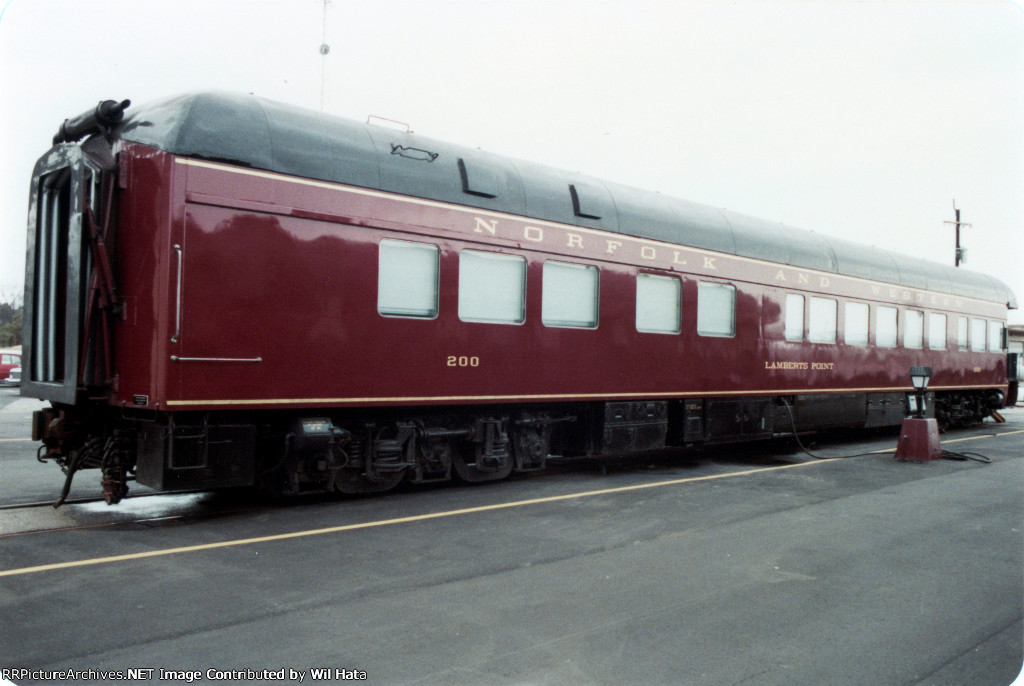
12, 311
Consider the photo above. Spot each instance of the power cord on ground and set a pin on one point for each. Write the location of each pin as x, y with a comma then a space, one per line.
977, 457
946, 454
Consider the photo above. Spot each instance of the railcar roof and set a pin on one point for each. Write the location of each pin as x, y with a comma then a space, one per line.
266, 135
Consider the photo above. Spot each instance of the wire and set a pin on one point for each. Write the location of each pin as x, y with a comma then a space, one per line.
977, 457
946, 454
792, 423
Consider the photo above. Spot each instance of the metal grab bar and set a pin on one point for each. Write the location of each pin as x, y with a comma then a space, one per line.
175, 358
177, 307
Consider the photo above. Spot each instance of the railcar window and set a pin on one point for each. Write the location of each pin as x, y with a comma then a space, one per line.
936, 331
856, 325
407, 279
978, 335
886, 323
824, 315
995, 337
961, 333
569, 295
716, 309
492, 287
913, 329
794, 317
658, 304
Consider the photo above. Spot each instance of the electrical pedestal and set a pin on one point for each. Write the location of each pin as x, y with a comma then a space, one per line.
919, 440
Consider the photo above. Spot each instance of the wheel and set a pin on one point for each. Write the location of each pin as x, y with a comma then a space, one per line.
352, 482
471, 473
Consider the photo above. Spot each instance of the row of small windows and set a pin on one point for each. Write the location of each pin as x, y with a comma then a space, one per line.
492, 289
822, 320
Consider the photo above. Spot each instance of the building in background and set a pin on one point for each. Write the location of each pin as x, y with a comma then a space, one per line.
1015, 346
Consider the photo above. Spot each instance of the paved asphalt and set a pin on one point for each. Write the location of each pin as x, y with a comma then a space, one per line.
755, 565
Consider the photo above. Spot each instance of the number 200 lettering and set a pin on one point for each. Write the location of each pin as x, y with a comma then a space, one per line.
463, 361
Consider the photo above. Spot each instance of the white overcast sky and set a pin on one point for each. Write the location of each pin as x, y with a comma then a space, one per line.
862, 120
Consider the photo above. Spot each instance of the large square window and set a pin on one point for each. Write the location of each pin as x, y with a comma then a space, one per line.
407, 279
569, 295
716, 309
658, 304
492, 287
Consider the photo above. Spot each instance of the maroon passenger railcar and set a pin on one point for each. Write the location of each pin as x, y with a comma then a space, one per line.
223, 290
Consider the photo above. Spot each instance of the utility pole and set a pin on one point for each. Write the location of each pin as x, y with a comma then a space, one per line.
961, 253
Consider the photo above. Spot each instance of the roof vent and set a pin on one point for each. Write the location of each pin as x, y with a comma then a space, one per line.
584, 204
478, 180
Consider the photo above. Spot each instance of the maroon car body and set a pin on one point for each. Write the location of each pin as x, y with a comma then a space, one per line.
244, 327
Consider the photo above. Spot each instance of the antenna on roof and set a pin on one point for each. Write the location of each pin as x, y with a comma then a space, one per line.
389, 123
961, 253
324, 49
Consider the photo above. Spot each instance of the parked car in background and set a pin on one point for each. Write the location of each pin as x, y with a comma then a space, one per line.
8, 361
13, 379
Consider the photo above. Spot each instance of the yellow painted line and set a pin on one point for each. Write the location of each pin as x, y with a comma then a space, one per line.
389, 522
11, 440
433, 515
959, 440
974, 438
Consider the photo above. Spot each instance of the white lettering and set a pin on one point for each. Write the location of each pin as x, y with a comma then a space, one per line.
647, 252
709, 262
675, 257
613, 246
533, 233
482, 225
781, 276
575, 241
